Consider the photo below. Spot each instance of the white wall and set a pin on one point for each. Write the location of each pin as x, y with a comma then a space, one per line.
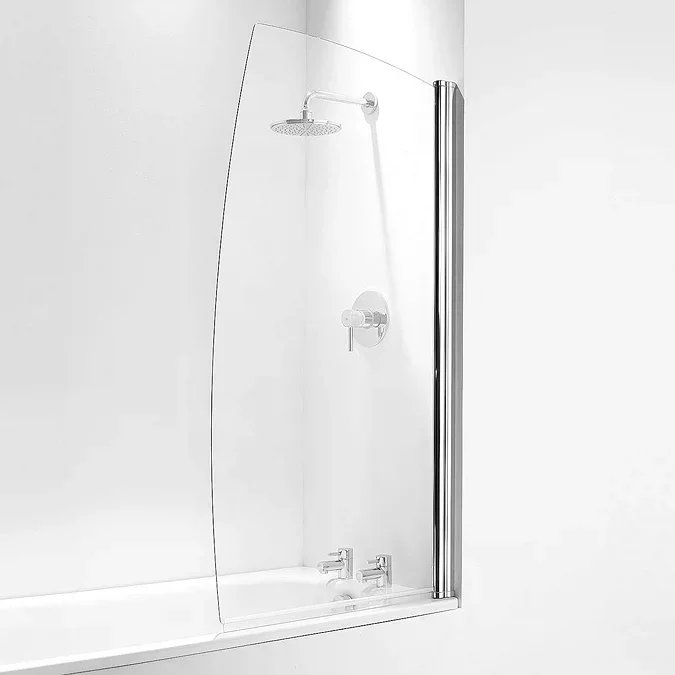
115, 149
424, 37
260, 334
115, 133
569, 498
368, 459
569, 333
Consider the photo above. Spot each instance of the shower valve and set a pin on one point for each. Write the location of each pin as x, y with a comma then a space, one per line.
367, 321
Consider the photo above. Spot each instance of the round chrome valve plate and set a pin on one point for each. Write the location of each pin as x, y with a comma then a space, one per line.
372, 301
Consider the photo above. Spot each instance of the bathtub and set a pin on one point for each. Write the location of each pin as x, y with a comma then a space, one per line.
114, 627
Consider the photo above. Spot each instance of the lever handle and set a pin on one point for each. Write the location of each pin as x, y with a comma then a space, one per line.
355, 318
380, 561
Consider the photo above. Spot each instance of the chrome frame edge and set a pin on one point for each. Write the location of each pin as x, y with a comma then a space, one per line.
448, 301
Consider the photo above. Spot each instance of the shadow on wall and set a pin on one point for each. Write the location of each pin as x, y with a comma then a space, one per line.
371, 120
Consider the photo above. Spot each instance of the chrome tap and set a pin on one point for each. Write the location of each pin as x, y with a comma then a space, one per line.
343, 563
379, 571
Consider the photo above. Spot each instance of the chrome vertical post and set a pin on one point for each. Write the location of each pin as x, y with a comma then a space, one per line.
448, 259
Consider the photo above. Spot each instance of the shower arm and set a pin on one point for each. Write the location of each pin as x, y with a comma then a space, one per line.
368, 101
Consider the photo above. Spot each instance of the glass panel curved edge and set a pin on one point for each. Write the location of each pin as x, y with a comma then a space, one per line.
288, 482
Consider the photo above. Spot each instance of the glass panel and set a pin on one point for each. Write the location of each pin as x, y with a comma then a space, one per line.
315, 447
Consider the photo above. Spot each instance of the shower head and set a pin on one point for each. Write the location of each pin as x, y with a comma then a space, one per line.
306, 125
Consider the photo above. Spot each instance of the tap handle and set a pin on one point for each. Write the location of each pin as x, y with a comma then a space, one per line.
381, 561
342, 552
357, 318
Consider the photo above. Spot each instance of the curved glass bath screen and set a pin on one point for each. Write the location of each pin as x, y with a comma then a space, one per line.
322, 429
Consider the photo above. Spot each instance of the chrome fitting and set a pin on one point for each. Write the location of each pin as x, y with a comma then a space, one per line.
342, 563
379, 571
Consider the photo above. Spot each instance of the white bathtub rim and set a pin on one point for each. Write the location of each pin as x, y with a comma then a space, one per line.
86, 663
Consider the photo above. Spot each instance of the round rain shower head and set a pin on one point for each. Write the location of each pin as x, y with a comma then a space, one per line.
306, 126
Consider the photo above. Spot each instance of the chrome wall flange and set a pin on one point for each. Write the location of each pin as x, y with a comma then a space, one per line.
370, 105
